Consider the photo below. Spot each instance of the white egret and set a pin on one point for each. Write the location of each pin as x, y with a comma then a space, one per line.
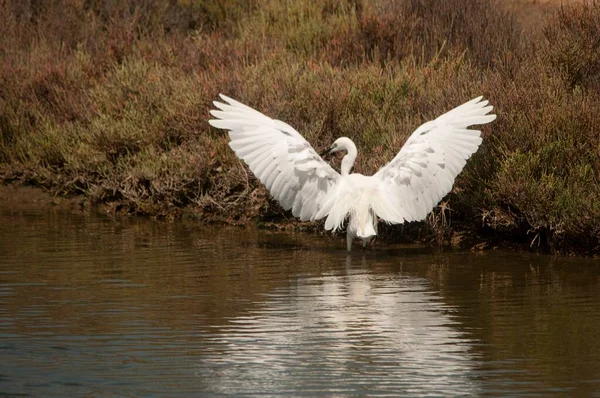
405, 189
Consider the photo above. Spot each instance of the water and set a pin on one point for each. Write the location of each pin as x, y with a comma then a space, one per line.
91, 306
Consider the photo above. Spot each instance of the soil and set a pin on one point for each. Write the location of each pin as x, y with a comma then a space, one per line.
22, 198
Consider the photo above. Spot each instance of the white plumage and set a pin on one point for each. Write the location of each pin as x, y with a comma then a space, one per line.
406, 189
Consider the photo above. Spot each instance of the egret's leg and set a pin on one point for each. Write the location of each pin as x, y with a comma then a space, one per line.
349, 238
365, 242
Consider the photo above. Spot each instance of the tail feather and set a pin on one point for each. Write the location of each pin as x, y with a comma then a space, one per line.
355, 207
363, 223
367, 230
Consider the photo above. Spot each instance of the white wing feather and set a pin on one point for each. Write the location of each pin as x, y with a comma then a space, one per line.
296, 176
424, 170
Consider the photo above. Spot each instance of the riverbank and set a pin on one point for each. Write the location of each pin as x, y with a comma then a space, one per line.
17, 198
110, 103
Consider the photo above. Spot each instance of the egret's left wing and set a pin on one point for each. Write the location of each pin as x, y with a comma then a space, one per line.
424, 170
296, 176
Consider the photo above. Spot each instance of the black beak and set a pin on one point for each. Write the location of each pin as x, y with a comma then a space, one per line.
325, 152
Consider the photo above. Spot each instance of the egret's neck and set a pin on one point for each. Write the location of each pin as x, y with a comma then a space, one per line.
348, 160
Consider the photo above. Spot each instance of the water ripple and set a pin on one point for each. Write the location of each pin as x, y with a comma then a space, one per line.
91, 306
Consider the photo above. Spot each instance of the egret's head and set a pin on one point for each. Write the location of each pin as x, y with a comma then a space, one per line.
341, 144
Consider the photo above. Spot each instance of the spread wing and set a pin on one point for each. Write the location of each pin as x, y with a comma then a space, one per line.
423, 172
295, 175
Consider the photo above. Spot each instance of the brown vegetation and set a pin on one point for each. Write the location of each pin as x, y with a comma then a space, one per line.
110, 99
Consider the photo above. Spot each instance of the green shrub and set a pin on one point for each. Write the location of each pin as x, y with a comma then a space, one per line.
110, 99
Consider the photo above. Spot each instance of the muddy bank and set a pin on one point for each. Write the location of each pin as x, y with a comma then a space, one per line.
19, 198
22, 198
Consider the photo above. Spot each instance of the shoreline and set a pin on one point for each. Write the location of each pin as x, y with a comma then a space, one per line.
16, 197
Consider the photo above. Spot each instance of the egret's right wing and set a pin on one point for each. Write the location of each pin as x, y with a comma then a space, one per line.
426, 166
296, 176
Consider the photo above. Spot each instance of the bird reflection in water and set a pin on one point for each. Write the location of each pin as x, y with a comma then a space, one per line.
359, 330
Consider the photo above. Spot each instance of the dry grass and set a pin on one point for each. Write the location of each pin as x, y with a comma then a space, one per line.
110, 99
